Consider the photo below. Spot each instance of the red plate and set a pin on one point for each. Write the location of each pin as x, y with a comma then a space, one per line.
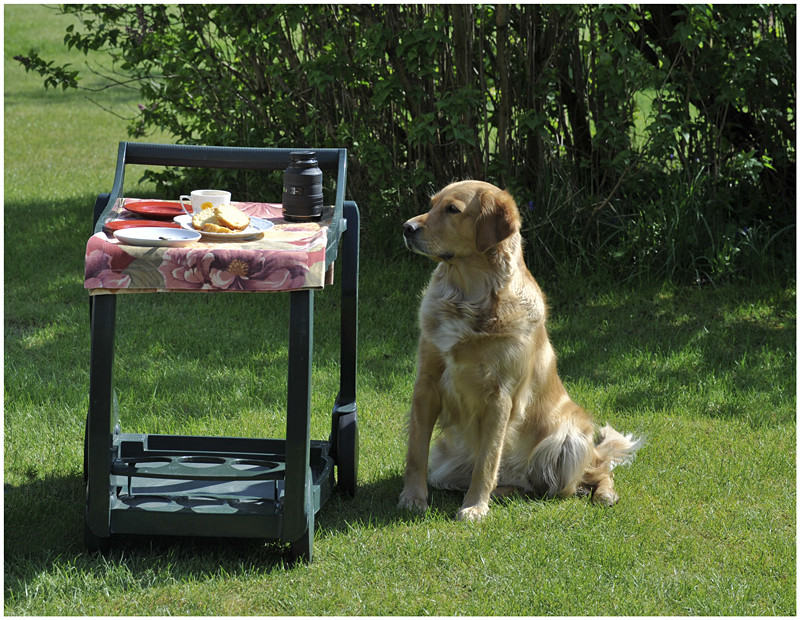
110, 227
156, 208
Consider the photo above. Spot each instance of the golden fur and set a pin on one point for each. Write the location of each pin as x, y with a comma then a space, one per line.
486, 372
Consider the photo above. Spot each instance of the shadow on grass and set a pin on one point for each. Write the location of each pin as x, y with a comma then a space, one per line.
44, 249
726, 353
44, 534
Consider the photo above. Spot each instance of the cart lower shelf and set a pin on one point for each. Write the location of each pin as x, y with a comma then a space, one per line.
206, 486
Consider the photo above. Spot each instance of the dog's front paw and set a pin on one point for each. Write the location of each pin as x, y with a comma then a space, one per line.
473, 513
413, 501
605, 498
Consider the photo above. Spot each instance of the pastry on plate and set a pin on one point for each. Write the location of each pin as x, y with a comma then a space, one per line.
221, 219
231, 217
205, 216
215, 228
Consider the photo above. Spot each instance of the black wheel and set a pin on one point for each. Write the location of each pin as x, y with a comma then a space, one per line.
347, 452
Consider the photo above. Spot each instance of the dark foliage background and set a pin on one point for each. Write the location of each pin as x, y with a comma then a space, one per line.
639, 140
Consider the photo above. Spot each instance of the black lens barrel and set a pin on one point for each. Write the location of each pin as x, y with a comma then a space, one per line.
302, 188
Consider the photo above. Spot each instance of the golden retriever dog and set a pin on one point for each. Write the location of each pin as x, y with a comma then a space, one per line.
486, 371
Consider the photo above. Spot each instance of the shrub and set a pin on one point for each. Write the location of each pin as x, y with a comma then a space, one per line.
646, 139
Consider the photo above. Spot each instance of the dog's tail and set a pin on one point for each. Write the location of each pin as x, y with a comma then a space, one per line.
613, 448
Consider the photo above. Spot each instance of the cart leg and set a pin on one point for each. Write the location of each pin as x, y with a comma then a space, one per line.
302, 549
93, 542
349, 315
298, 507
98, 439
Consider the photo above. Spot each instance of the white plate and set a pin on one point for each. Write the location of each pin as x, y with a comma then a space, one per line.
155, 236
256, 227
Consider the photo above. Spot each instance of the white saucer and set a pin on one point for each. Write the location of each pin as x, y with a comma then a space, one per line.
157, 237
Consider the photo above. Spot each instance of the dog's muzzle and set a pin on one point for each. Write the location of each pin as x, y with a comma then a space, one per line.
409, 230
417, 245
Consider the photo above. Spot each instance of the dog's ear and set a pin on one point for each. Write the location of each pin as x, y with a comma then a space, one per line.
499, 219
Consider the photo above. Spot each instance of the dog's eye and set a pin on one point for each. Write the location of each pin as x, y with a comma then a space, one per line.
451, 208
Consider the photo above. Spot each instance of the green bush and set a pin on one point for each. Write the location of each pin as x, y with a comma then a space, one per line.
642, 139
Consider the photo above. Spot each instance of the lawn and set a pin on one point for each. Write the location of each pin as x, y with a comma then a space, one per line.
707, 519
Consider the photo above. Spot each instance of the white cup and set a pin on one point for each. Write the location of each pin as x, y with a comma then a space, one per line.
203, 198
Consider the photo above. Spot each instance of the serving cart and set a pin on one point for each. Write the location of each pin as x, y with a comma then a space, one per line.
158, 484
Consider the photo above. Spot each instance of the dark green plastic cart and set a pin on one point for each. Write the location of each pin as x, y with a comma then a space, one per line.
226, 486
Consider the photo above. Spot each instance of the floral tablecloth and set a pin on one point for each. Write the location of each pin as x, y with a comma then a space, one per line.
288, 256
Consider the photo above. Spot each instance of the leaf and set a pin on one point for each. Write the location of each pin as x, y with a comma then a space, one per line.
144, 273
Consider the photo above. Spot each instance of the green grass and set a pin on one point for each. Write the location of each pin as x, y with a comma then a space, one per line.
707, 521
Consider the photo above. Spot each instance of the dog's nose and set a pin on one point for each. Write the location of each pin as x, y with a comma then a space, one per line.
409, 228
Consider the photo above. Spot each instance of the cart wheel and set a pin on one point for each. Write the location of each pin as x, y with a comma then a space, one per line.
347, 452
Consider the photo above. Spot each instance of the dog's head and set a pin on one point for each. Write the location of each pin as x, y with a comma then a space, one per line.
465, 219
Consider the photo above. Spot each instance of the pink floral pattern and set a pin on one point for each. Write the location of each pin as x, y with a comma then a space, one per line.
234, 270
289, 256
99, 273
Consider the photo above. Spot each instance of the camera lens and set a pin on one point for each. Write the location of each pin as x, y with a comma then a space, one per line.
302, 188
